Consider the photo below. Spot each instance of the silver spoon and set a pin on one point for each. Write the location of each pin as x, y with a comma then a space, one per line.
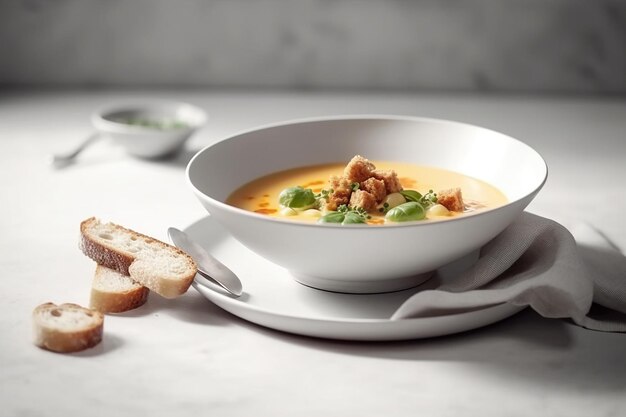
208, 266
64, 159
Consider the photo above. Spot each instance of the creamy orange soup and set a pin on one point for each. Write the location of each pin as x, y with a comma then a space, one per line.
262, 195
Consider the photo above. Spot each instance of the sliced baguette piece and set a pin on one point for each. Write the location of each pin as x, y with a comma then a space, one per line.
67, 327
162, 268
112, 292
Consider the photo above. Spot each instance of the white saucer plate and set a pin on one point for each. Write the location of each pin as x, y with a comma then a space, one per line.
272, 298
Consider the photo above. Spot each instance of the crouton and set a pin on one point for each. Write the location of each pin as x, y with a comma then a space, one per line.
390, 178
363, 199
358, 169
451, 199
374, 187
338, 183
341, 188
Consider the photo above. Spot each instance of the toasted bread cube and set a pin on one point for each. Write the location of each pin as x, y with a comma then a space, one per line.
451, 199
358, 169
390, 178
374, 187
363, 199
336, 183
341, 192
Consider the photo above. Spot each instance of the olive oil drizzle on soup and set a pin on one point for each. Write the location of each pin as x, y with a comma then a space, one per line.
261, 195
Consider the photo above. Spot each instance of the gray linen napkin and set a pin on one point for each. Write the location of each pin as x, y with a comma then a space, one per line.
536, 262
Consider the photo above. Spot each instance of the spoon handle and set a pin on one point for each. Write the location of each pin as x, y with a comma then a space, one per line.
61, 159
208, 266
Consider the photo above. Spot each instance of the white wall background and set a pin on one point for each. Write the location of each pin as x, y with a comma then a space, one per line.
472, 45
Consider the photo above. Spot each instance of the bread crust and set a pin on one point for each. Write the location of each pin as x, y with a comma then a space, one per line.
127, 263
116, 301
66, 341
107, 255
104, 255
106, 302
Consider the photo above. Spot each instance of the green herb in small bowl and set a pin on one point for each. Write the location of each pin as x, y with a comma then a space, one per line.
157, 124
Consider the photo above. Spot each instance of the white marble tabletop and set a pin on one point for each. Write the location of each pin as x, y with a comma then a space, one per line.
188, 357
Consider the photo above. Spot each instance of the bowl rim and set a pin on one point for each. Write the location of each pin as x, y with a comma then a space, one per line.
374, 116
101, 122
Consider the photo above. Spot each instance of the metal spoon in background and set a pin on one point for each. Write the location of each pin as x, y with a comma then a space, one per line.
60, 160
208, 266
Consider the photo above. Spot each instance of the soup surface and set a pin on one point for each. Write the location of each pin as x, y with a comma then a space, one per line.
262, 195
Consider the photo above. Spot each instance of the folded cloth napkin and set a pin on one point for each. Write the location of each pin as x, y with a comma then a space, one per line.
536, 262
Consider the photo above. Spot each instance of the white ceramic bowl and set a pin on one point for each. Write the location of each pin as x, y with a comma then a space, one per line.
365, 259
149, 142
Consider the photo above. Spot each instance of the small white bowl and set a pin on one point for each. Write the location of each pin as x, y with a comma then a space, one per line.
179, 121
365, 259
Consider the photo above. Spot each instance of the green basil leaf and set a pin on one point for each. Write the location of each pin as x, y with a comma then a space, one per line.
337, 217
406, 212
332, 217
353, 217
411, 195
297, 198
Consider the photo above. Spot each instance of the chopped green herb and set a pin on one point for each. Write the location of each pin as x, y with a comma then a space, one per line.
324, 194
162, 124
361, 211
429, 199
